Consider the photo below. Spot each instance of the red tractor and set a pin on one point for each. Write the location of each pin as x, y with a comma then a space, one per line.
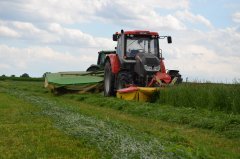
137, 61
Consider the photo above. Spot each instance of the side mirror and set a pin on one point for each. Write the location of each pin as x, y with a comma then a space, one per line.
115, 37
169, 39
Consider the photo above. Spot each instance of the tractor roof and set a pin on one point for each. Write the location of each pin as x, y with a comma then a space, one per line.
140, 32
107, 51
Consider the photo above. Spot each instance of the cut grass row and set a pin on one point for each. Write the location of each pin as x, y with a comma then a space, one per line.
26, 133
222, 123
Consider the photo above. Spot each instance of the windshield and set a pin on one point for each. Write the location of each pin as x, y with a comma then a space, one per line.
141, 45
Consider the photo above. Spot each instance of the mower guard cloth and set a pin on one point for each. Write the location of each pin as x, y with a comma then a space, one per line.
76, 81
141, 94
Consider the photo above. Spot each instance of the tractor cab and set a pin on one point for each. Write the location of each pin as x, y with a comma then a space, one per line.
141, 44
130, 43
102, 56
100, 61
138, 51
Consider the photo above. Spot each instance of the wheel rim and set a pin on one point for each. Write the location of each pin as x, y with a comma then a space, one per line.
107, 82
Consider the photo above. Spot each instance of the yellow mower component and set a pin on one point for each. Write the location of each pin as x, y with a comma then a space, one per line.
141, 94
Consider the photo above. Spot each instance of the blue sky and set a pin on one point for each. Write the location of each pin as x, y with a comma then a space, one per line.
51, 36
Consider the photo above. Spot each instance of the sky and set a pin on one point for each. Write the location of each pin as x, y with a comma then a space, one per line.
51, 36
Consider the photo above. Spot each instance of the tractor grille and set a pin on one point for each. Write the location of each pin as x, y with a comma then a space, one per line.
152, 61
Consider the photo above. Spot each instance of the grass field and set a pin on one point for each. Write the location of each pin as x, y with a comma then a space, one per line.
36, 124
220, 97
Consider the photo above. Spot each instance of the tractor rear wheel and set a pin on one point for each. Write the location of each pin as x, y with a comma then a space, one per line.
108, 80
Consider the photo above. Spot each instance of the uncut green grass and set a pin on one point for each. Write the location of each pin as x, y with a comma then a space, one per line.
220, 97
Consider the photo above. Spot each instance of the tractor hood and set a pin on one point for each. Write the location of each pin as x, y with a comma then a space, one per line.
146, 63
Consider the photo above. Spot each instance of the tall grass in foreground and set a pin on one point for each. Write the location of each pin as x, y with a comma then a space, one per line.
211, 96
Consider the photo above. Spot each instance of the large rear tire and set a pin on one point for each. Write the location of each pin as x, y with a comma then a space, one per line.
108, 80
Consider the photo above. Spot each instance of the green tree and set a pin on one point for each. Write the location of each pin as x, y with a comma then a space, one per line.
25, 75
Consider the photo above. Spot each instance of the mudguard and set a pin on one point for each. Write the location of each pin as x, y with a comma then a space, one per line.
163, 76
158, 77
162, 66
115, 63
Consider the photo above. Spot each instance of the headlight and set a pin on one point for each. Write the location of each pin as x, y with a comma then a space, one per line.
156, 68
152, 68
147, 68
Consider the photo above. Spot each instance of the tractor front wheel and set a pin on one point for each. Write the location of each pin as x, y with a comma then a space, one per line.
124, 79
108, 80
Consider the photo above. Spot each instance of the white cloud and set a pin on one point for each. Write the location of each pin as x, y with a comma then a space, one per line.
170, 4
7, 32
75, 37
141, 15
55, 34
4, 66
202, 55
236, 17
134, 13
65, 11
190, 17
37, 60
199, 62
225, 42
26, 26
27, 31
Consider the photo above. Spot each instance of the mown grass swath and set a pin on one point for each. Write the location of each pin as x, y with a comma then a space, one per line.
26, 133
224, 123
